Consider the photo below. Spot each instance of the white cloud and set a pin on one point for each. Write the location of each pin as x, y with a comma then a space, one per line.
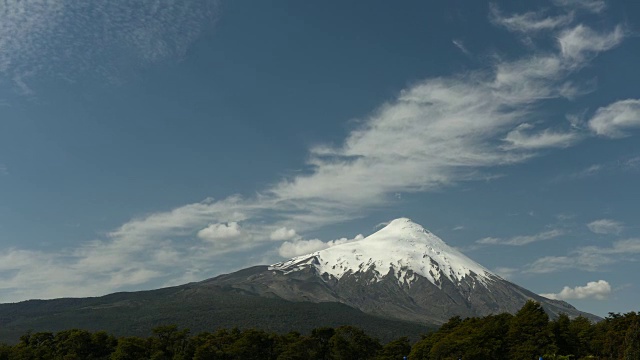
302, 247
588, 258
595, 6
460, 45
132, 277
590, 171
609, 168
599, 290
215, 232
435, 133
581, 42
632, 164
612, 120
282, 234
505, 272
489, 241
605, 226
64, 38
520, 138
438, 132
522, 239
530, 21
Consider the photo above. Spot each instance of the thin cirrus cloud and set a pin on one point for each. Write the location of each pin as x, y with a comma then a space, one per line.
614, 120
506, 272
438, 132
520, 138
529, 22
283, 234
580, 42
599, 290
588, 258
594, 6
460, 45
632, 164
605, 226
625, 164
522, 239
218, 232
300, 247
108, 39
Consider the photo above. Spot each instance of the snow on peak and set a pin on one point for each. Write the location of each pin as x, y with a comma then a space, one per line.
403, 248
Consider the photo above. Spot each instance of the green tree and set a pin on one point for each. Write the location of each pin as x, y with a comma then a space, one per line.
131, 348
565, 340
583, 333
169, 343
611, 335
254, 345
215, 346
351, 343
320, 339
529, 335
422, 349
293, 346
632, 342
102, 345
35, 346
74, 344
5, 351
395, 349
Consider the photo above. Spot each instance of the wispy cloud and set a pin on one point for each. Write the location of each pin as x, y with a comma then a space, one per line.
506, 272
529, 22
107, 40
283, 234
632, 164
589, 171
436, 133
522, 138
605, 226
581, 42
599, 290
460, 45
589, 258
521, 240
614, 167
595, 6
614, 120
298, 247
220, 232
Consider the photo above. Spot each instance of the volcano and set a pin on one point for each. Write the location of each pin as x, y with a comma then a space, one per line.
402, 271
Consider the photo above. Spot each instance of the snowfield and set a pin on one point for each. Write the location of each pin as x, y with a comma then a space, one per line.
402, 248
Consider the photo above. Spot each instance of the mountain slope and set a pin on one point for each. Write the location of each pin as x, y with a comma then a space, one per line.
197, 306
402, 271
396, 282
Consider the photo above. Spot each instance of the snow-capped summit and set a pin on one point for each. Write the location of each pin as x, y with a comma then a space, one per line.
401, 271
402, 249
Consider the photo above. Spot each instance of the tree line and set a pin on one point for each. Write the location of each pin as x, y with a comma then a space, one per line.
528, 334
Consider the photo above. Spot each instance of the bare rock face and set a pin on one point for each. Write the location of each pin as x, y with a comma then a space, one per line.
402, 272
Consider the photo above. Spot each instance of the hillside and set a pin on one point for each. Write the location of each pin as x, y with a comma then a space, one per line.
195, 306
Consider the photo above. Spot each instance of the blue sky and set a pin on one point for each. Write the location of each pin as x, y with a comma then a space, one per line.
166, 142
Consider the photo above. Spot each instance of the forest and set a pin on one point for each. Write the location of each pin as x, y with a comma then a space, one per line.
529, 334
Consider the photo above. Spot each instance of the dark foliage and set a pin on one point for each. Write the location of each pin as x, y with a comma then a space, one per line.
526, 335
530, 334
194, 306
